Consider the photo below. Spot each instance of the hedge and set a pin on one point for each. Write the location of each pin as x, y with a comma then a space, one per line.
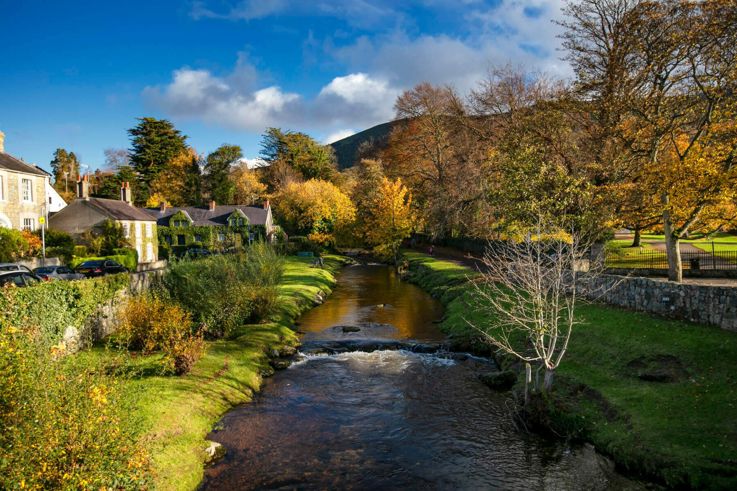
53, 306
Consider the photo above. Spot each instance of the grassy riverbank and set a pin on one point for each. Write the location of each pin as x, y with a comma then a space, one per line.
683, 433
178, 412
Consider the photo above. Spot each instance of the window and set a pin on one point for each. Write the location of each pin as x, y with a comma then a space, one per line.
180, 223
2, 188
29, 224
50, 200
221, 237
148, 230
126, 230
168, 239
27, 187
181, 239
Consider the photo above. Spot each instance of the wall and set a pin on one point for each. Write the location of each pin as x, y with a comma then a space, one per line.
714, 305
36, 262
12, 207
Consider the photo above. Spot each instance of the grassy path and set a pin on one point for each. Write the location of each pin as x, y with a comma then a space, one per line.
178, 412
683, 434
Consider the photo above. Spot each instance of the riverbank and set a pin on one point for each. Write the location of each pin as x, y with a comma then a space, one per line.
681, 433
178, 412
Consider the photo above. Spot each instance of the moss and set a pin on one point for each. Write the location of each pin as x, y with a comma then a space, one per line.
180, 411
682, 433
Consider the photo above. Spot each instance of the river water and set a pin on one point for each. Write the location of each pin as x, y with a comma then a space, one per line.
389, 419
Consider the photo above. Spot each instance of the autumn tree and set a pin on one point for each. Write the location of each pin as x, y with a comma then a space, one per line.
391, 219
675, 114
179, 183
248, 188
154, 144
314, 208
365, 193
218, 167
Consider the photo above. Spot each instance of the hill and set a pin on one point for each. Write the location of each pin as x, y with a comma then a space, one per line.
365, 144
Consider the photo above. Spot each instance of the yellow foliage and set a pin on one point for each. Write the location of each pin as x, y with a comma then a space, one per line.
392, 219
248, 189
316, 208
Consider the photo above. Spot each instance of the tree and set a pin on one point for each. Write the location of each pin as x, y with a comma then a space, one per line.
528, 293
65, 168
369, 177
391, 220
248, 189
115, 158
179, 183
674, 100
314, 208
154, 144
217, 173
299, 153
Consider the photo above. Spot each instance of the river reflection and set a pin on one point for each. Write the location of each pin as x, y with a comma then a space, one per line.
389, 419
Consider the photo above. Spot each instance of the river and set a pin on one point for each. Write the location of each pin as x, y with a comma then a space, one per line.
389, 419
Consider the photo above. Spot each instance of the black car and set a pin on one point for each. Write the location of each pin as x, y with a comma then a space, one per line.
100, 267
18, 278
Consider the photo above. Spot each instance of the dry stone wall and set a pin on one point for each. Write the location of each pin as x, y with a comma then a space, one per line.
705, 304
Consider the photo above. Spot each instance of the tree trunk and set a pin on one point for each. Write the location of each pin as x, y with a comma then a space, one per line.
637, 239
548, 380
672, 246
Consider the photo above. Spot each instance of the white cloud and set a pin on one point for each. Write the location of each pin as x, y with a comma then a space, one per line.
338, 135
235, 101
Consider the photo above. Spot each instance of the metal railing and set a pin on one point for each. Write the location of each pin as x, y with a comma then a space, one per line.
649, 259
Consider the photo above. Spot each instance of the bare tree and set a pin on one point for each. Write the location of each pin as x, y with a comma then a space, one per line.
528, 293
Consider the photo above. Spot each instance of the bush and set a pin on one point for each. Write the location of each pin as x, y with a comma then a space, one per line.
225, 292
66, 423
129, 259
13, 245
80, 251
148, 323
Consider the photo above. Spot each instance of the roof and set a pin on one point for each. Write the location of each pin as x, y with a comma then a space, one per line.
9, 162
118, 210
202, 216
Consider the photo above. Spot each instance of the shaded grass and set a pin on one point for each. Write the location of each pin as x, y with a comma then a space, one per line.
683, 434
178, 412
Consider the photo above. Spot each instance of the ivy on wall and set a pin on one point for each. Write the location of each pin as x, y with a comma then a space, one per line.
216, 238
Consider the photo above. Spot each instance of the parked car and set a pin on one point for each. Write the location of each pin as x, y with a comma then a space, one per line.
197, 252
57, 273
100, 267
14, 267
18, 278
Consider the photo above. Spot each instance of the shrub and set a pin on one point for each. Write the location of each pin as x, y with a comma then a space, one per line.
33, 242
129, 259
148, 323
66, 423
80, 251
225, 292
12, 245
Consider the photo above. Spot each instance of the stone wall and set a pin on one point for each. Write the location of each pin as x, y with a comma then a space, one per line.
714, 305
103, 322
36, 262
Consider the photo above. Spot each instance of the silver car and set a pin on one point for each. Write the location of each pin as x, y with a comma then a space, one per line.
14, 267
57, 273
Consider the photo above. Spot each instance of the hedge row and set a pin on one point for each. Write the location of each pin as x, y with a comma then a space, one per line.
53, 306
126, 257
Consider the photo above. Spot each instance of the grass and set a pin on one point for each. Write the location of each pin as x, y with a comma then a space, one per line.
683, 434
178, 412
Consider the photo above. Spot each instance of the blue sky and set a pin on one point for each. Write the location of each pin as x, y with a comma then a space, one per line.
76, 74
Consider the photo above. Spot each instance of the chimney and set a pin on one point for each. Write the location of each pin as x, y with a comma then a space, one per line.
266, 204
162, 207
83, 188
125, 193
212, 205
2, 142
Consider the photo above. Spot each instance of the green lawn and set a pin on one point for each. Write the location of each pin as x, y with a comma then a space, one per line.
178, 412
683, 434
723, 242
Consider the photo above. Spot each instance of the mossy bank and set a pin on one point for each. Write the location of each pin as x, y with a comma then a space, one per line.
677, 429
178, 412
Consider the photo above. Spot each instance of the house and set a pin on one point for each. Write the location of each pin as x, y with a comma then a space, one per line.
23, 192
213, 226
85, 214
54, 201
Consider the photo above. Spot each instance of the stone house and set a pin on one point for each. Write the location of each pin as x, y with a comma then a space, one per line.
23, 192
213, 226
86, 213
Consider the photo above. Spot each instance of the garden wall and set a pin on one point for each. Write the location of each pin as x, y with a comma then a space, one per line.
714, 305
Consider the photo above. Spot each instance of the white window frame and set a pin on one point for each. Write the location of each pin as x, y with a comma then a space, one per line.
126, 230
28, 224
148, 230
23, 189
2, 187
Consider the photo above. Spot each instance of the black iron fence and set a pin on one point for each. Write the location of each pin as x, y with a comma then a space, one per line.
649, 259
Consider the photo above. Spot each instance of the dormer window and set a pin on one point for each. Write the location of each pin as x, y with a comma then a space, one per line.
180, 223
